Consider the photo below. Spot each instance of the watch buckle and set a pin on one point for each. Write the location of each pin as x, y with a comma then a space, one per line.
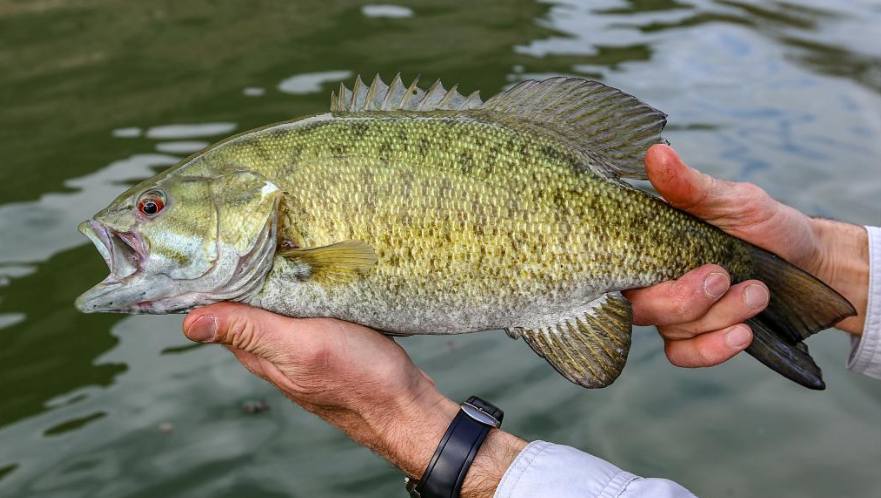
478, 415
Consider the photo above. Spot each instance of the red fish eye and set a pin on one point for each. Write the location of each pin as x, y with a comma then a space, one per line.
151, 206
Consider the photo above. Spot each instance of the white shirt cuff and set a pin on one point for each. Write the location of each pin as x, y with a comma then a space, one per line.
865, 354
545, 470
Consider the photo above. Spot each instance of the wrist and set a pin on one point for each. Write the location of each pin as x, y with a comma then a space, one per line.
404, 428
844, 265
408, 435
492, 460
413, 437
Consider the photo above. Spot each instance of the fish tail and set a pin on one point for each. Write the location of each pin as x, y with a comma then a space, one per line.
800, 306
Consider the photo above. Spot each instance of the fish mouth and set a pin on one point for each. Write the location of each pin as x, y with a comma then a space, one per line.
124, 252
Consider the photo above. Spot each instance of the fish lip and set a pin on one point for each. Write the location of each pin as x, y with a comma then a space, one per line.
123, 252
99, 237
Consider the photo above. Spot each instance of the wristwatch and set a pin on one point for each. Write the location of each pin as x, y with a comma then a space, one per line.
447, 468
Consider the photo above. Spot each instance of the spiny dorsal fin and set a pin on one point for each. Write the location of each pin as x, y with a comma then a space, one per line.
590, 347
612, 128
397, 97
337, 262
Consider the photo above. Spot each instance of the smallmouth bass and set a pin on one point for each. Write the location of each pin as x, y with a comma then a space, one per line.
428, 212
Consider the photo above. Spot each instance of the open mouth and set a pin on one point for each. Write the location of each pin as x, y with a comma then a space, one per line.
124, 290
122, 251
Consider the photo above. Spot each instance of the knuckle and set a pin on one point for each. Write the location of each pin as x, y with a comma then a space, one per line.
712, 185
750, 191
682, 304
317, 355
753, 201
676, 332
241, 333
701, 358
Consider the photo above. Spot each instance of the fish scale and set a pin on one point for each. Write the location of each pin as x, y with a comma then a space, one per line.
559, 230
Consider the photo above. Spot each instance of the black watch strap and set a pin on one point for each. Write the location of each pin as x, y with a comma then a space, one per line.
447, 468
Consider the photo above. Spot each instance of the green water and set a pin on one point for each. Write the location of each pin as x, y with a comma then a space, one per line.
95, 95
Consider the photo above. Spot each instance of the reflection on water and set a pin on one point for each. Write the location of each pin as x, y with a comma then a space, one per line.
50, 218
73, 424
254, 91
393, 11
786, 23
311, 82
787, 95
131, 132
181, 147
190, 130
9, 319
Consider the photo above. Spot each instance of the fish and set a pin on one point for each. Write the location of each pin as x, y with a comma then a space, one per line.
426, 211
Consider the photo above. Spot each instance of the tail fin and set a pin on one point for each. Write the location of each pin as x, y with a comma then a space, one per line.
800, 306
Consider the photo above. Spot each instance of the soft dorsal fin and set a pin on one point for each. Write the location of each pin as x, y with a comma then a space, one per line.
612, 128
398, 97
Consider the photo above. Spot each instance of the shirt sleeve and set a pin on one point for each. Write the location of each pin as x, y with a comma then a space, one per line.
545, 470
865, 354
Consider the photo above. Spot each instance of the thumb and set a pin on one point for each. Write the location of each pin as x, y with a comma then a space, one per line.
248, 329
684, 187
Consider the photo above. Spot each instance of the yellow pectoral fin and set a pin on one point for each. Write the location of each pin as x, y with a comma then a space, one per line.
342, 261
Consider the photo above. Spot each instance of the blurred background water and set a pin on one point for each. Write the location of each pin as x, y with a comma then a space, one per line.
97, 94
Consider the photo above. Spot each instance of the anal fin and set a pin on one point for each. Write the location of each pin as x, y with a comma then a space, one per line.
589, 349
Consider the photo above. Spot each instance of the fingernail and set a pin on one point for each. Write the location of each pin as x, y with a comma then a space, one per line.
756, 296
738, 337
716, 284
203, 329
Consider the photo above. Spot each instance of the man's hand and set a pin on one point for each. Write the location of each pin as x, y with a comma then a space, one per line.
700, 315
354, 378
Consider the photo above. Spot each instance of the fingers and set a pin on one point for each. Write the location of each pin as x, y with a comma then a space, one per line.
700, 315
719, 334
679, 301
244, 328
681, 186
726, 204
742, 302
740, 209
312, 343
709, 349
